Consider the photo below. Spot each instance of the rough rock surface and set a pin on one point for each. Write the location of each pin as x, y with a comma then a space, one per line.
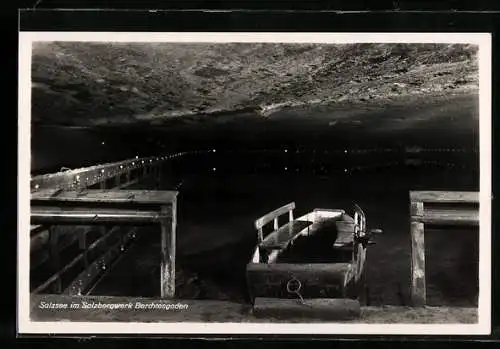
117, 83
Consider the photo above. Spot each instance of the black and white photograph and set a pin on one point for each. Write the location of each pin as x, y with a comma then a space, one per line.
258, 183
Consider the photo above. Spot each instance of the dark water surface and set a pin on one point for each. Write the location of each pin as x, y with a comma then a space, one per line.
216, 237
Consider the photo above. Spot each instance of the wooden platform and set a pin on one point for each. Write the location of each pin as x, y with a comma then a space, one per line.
320, 308
222, 311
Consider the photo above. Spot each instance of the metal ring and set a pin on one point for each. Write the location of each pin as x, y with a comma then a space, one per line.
289, 287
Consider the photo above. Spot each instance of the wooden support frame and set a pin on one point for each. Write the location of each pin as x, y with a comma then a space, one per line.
112, 207
457, 212
80, 180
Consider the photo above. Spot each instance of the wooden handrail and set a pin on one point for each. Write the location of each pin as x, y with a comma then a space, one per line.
444, 196
273, 216
88, 176
262, 221
465, 215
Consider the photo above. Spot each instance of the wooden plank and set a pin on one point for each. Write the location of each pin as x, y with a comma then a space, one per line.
37, 229
345, 231
418, 285
262, 221
455, 217
445, 196
56, 278
108, 196
280, 238
50, 215
128, 183
167, 281
102, 264
319, 308
78, 258
40, 255
417, 209
54, 256
317, 279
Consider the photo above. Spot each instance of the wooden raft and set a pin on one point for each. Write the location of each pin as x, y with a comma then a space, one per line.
327, 286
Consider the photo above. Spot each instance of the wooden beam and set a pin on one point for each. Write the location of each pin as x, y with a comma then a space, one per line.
80, 257
56, 278
167, 282
319, 308
450, 217
444, 196
40, 255
262, 221
49, 215
80, 285
54, 256
137, 196
88, 176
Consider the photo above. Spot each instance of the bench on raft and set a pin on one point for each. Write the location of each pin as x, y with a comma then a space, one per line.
307, 225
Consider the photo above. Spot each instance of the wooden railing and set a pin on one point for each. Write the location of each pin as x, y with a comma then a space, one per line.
111, 207
441, 209
48, 241
273, 216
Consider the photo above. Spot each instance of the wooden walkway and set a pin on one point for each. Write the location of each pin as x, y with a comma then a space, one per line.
221, 311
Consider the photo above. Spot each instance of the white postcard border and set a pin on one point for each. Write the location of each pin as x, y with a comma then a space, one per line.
26, 326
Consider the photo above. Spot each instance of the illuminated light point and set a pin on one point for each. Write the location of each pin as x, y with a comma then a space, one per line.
345, 169
102, 142
102, 171
77, 177
133, 163
142, 161
286, 150
150, 160
286, 168
121, 166
345, 151
213, 150
37, 186
214, 169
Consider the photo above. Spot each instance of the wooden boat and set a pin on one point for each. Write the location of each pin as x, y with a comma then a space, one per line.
320, 255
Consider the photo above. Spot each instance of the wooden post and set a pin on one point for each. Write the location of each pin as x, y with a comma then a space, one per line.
260, 235
102, 229
54, 256
418, 286
117, 179
290, 215
168, 252
127, 176
158, 176
83, 246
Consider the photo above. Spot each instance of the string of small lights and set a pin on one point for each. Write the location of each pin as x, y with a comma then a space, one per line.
344, 161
